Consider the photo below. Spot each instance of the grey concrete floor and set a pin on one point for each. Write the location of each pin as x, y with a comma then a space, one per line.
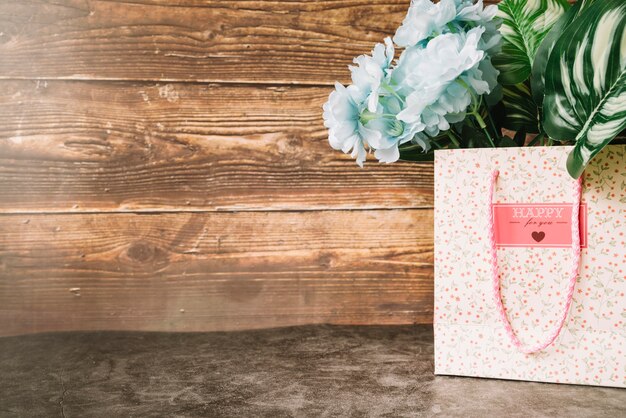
300, 371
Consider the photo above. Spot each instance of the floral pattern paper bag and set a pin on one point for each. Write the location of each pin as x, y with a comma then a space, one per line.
532, 210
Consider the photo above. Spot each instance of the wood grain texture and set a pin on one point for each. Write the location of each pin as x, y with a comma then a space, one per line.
164, 166
273, 42
104, 146
231, 41
225, 270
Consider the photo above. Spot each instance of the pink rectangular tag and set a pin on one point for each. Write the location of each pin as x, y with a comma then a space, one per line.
537, 224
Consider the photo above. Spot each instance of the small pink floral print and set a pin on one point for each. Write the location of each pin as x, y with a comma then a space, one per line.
470, 339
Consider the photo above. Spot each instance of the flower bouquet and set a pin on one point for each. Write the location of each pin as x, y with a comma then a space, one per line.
522, 73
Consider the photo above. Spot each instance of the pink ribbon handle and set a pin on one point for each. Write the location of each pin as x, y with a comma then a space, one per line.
554, 333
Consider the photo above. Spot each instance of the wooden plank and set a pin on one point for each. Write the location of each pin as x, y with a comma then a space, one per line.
119, 146
225, 270
196, 40
276, 42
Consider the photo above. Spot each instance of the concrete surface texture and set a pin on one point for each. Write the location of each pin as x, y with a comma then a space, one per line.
306, 371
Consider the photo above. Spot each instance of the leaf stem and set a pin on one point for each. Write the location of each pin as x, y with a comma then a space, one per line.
476, 104
536, 139
493, 125
453, 138
367, 116
483, 126
392, 91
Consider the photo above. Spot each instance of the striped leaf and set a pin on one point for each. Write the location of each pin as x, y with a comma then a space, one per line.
525, 23
537, 79
520, 110
585, 82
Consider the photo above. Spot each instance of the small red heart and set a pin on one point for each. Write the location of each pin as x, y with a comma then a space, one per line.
538, 236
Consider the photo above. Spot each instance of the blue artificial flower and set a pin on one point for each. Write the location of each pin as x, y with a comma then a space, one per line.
437, 98
476, 14
363, 115
353, 128
345, 106
385, 132
370, 71
423, 20
341, 117
468, 11
442, 74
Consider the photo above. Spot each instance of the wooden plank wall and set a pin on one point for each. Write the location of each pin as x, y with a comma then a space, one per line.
164, 166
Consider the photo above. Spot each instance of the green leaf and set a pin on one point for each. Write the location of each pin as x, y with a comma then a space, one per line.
520, 110
524, 25
585, 82
414, 152
507, 142
537, 79
520, 138
417, 156
474, 137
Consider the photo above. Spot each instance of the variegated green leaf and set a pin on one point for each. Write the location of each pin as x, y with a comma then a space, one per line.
520, 110
524, 25
537, 80
585, 82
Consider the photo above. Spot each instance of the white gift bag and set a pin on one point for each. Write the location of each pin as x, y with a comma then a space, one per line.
530, 267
